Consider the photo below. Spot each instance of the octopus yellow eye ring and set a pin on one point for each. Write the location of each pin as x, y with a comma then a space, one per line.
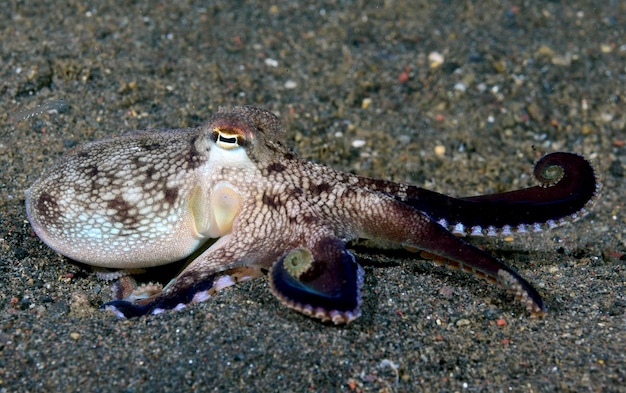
298, 261
226, 141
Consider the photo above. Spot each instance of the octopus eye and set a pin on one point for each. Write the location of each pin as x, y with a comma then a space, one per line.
229, 138
225, 141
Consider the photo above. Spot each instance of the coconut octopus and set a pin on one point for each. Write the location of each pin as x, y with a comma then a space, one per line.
152, 197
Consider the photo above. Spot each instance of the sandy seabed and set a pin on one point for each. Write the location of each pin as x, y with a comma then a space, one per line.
459, 97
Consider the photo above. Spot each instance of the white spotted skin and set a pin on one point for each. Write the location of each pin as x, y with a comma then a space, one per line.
139, 200
152, 197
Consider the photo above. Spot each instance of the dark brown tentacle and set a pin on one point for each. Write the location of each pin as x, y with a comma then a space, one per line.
398, 222
567, 184
458, 254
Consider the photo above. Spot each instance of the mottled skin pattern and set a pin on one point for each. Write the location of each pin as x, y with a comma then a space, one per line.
148, 198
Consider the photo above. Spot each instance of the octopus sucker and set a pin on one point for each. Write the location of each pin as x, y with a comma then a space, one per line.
231, 197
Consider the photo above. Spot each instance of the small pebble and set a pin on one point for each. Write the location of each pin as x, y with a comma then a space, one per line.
435, 59
606, 48
586, 129
460, 86
606, 117
271, 62
290, 84
358, 143
462, 322
440, 150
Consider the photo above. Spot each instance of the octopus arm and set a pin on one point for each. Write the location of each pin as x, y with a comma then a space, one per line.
567, 184
398, 222
323, 282
190, 289
219, 267
448, 250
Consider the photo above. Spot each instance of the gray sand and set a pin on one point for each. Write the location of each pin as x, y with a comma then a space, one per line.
516, 81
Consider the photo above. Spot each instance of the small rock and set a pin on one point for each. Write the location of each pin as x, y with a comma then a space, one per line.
358, 143
435, 59
271, 62
460, 86
462, 322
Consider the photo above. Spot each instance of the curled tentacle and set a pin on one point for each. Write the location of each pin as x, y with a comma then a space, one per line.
324, 282
567, 184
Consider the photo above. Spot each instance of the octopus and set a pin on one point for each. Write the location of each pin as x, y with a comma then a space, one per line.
234, 200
